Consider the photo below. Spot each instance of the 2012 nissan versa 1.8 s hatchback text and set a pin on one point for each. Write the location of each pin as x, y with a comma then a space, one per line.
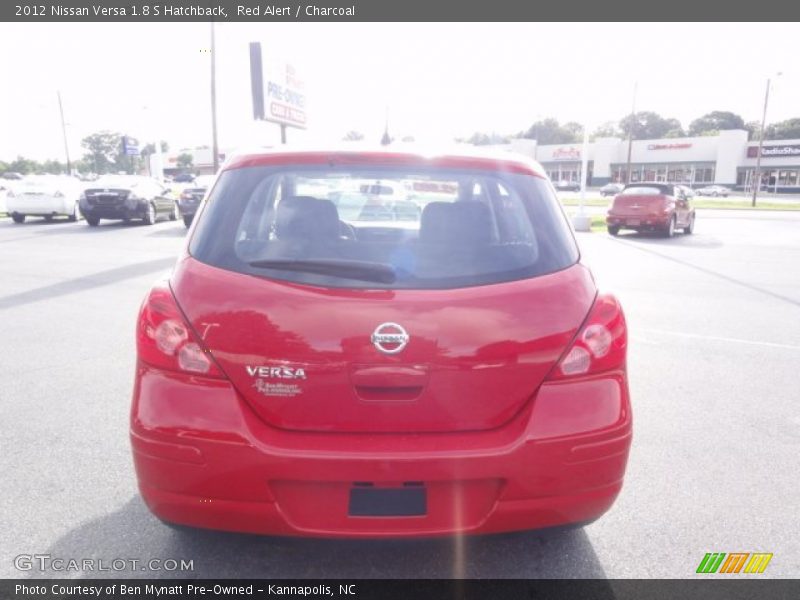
314, 369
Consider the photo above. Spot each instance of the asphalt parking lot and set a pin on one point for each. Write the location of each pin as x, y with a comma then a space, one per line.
714, 355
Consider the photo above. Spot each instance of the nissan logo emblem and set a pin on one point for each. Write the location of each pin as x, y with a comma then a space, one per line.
389, 338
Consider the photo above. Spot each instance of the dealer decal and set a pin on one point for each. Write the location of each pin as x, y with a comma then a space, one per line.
277, 380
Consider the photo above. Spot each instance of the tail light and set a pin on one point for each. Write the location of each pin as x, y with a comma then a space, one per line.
165, 340
600, 345
186, 196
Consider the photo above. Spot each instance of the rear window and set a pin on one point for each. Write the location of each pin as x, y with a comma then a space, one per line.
647, 190
383, 228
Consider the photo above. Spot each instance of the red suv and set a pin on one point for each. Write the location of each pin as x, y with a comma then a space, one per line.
363, 373
661, 207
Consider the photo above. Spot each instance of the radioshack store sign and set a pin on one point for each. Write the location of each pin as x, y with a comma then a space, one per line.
774, 151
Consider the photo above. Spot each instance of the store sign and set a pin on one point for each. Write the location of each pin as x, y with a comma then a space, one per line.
566, 154
771, 151
682, 146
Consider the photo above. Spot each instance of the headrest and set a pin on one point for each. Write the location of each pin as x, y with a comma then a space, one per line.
456, 223
304, 217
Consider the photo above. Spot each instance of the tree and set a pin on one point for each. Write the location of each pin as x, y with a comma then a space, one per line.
52, 166
22, 165
102, 150
486, 139
753, 128
648, 125
784, 130
714, 122
353, 136
607, 129
574, 129
548, 131
184, 160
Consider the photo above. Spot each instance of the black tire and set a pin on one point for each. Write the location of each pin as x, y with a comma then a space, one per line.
689, 229
76, 213
670, 230
18, 218
187, 220
714, 194
150, 215
92, 221
173, 216
613, 230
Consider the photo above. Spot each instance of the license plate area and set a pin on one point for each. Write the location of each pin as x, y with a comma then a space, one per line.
370, 501
634, 222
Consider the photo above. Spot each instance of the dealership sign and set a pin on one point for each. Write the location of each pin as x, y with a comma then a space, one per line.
773, 151
278, 92
130, 146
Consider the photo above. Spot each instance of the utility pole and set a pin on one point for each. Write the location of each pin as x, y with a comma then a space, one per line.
64, 132
214, 145
630, 132
757, 178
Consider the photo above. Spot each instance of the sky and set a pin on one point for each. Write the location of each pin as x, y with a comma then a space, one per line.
436, 81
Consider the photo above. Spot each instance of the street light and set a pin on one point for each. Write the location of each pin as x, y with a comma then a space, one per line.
582, 221
757, 177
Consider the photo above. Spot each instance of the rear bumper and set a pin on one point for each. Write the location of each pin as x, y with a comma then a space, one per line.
204, 459
39, 206
188, 209
116, 211
647, 221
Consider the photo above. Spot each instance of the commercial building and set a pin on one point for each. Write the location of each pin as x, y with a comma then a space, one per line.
727, 159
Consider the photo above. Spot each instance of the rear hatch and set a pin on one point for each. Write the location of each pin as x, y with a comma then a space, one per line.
447, 323
637, 200
304, 357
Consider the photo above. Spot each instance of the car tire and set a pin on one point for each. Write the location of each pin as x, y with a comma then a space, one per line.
18, 218
150, 215
187, 220
714, 194
613, 230
173, 216
76, 213
689, 229
670, 230
92, 221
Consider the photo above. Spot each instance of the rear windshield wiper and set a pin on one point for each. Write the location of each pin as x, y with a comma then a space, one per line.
351, 269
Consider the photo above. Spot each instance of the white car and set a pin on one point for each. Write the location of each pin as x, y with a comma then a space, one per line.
45, 196
5, 187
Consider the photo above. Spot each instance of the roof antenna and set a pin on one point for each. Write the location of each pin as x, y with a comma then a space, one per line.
386, 139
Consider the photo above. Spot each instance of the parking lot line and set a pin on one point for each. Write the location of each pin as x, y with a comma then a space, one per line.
715, 338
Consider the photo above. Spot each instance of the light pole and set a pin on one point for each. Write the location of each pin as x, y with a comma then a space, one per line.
582, 221
64, 133
630, 132
214, 146
757, 176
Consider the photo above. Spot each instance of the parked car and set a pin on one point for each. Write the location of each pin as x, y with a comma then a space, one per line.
190, 197
299, 374
183, 178
611, 189
126, 197
651, 207
714, 191
45, 196
5, 190
568, 186
13, 175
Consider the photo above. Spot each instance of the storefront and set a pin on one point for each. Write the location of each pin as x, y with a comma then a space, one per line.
725, 159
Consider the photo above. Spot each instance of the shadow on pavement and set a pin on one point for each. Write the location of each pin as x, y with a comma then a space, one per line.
80, 284
133, 533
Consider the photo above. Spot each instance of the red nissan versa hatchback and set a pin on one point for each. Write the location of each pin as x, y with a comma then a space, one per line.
321, 364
